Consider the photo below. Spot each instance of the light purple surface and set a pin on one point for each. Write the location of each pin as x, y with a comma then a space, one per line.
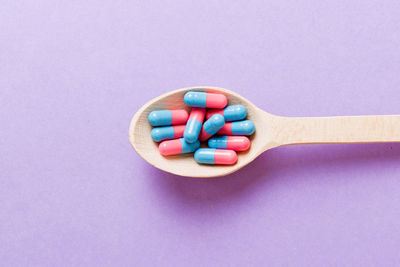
73, 192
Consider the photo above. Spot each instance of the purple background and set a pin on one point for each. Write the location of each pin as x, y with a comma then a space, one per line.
73, 192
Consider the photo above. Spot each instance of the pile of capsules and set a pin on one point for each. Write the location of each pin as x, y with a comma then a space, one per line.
183, 132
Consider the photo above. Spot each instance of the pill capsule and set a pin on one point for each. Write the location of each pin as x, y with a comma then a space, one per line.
205, 100
167, 132
245, 127
236, 143
211, 127
230, 113
177, 146
193, 125
168, 117
215, 156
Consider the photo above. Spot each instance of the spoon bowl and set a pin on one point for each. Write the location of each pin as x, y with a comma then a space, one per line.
271, 131
185, 164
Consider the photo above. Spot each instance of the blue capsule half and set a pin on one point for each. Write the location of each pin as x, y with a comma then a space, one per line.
245, 127
235, 113
205, 155
230, 113
213, 124
220, 142
195, 99
192, 130
162, 133
160, 117
189, 147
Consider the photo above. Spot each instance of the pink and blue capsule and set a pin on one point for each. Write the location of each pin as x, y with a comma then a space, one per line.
193, 125
167, 132
230, 113
205, 100
177, 146
211, 126
168, 117
236, 143
245, 127
215, 156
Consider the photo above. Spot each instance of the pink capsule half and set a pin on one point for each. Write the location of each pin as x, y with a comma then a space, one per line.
225, 157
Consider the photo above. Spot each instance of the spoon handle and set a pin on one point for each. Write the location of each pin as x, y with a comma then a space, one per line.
331, 130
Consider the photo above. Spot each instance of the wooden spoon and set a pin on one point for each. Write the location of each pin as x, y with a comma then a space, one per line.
271, 131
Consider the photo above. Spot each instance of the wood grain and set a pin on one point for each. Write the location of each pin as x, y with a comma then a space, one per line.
331, 130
